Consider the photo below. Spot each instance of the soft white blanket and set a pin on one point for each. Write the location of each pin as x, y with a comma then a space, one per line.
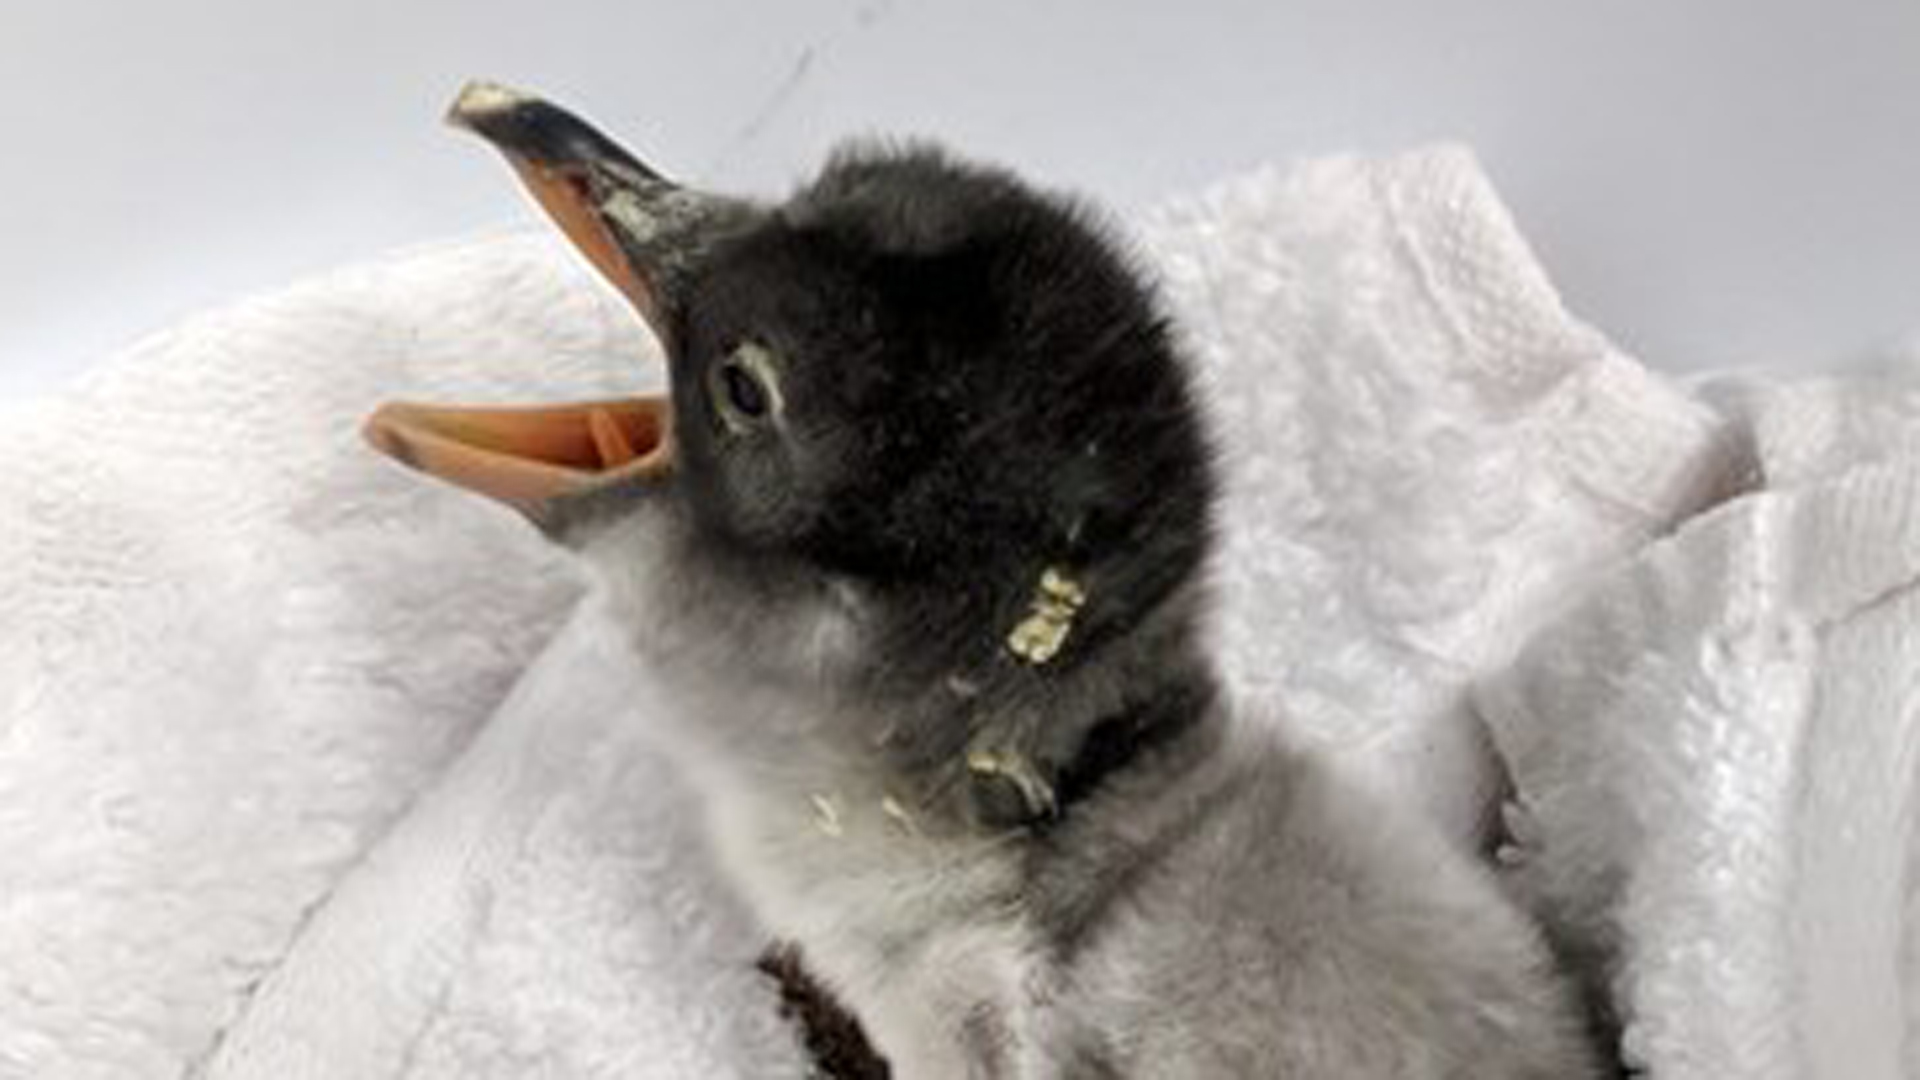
1717, 753
285, 792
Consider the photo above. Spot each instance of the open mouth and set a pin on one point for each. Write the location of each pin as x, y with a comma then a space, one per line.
525, 457
640, 231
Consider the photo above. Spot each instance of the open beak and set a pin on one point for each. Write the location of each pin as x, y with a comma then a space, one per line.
644, 234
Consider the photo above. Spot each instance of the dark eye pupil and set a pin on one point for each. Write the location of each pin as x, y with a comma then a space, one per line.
744, 391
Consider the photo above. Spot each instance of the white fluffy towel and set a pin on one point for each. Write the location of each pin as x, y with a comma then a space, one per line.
312, 768
1716, 754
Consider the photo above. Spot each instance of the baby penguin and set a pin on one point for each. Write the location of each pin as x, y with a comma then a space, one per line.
916, 548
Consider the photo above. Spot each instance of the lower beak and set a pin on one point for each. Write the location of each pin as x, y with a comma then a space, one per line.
642, 233
527, 457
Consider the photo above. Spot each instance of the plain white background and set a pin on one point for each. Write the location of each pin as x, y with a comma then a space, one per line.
1713, 182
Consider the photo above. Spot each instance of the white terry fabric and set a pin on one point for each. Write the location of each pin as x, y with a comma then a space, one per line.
1426, 453
1801, 429
545, 910
235, 645
248, 826
1716, 756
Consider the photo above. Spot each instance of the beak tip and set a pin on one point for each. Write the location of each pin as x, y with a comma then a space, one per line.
382, 431
480, 99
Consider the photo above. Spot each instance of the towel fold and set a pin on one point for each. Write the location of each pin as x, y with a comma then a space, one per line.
258, 820
1716, 755
236, 646
545, 910
1426, 454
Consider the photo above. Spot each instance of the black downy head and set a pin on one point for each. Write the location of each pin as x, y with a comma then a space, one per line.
923, 377
918, 383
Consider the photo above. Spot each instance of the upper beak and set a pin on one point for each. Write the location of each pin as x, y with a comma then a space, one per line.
644, 234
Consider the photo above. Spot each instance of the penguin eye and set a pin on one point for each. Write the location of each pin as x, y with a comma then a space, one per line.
743, 388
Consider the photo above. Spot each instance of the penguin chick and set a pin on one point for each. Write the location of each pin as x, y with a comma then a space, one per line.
916, 549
